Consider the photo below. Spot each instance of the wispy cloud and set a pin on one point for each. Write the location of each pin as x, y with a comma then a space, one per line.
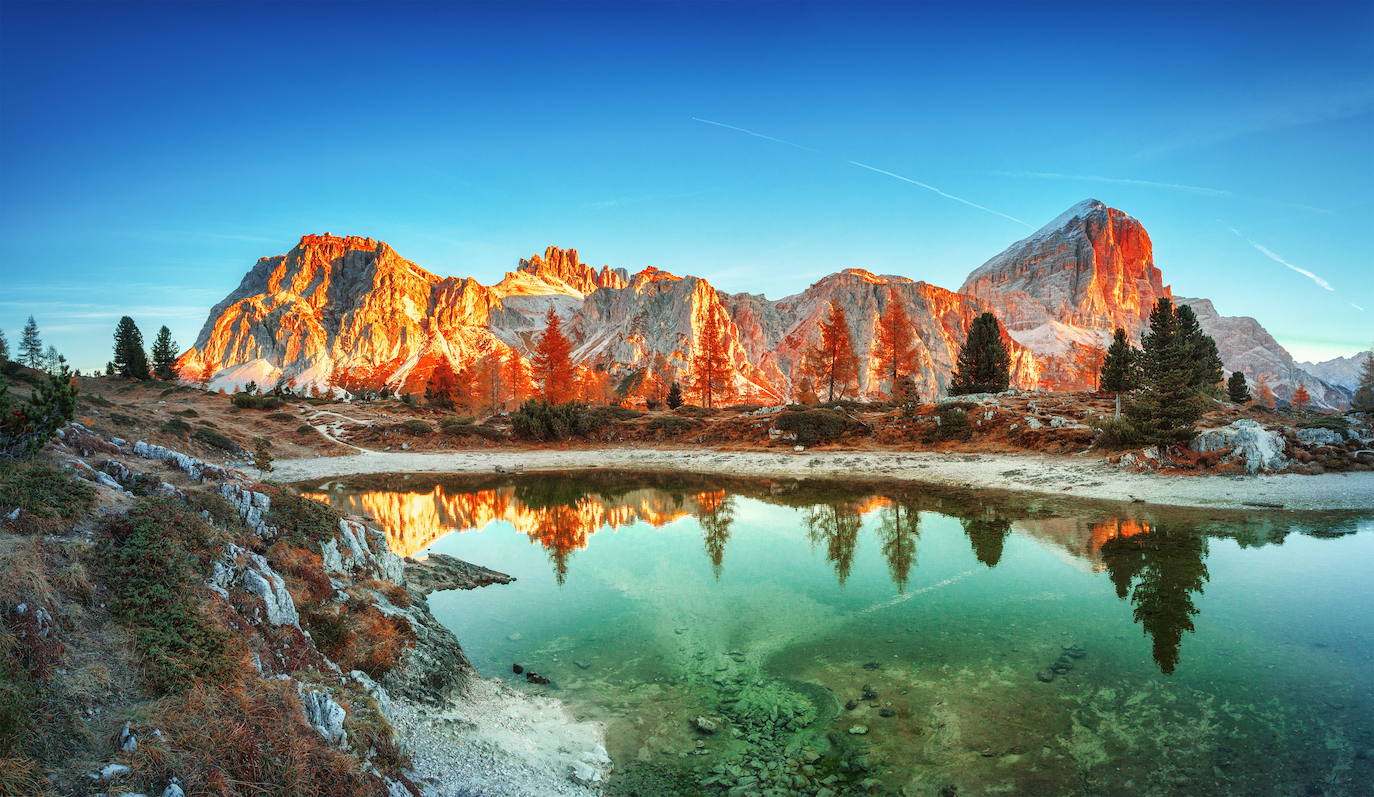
926, 186
755, 134
1274, 256
1357, 307
1093, 178
929, 187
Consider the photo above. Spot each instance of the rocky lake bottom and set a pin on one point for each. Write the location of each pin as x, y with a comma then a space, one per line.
794, 637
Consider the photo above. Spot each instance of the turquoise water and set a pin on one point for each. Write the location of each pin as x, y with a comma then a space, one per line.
870, 638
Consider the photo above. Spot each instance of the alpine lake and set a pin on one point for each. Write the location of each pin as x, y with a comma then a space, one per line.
820, 637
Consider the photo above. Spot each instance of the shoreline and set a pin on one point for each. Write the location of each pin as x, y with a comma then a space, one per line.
1067, 476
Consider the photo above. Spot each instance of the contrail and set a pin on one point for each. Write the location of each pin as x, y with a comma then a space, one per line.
941, 193
755, 134
1269, 253
1092, 178
748, 132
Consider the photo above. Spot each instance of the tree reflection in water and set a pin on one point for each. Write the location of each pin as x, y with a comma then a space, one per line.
1157, 565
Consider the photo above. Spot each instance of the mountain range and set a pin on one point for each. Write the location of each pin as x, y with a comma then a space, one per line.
349, 306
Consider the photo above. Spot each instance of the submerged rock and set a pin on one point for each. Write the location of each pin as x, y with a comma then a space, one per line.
705, 725
1046, 675
858, 730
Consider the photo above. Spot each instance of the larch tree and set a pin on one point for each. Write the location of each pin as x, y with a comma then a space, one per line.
1364, 390
831, 361
984, 364
806, 392
893, 345
657, 379
1301, 398
711, 369
1236, 388
129, 358
515, 379
488, 385
1119, 369
164, 354
1264, 395
553, 367
31, 346
444, 389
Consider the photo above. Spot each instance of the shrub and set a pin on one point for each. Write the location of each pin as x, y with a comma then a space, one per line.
250, 401
540, 420
153, 561
478, 430
951, 422
744, 407
1115, 433
96, 400
123, 420
44, 491
671, 425
304, 428
281, 416
1338, 423
414, 426
693, 411
188, 413
175, 426
459, 420
813, 426
302, 520
216, 440
603, 415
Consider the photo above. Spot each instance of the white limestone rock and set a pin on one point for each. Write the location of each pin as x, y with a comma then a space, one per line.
325, 716
1261, 449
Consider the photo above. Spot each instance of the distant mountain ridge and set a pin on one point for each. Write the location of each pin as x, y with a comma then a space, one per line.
348, 305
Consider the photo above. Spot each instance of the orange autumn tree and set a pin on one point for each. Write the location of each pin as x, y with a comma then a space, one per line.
445, 387
893, 344
711, 369
488, 387
1264, 395
553, 367
1301, 398
831, 362
515, 379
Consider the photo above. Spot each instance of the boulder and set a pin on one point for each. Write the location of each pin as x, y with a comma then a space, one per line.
325, 716
1319, 437
1261, 449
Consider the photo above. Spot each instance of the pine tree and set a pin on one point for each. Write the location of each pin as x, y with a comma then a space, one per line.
1236, 388
109, 368
711, 370
893, 346
1168, 404
984, 364
31, 346
806, 393
164, 354
4, 347
553, 368
1301, 398
1364, 391
129, 357
1201, 350
674, 397
1119, 369
262, 455
905, 394
25, 428
1264, 395
831, 361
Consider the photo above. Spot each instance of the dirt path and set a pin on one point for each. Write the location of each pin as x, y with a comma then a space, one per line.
1072, 476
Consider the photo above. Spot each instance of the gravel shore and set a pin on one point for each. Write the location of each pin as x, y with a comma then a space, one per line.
1084, 477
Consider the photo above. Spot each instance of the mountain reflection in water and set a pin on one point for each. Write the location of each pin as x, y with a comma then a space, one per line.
1155, 560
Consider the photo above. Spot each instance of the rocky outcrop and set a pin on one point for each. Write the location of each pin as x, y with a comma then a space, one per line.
439, 571
1247, 441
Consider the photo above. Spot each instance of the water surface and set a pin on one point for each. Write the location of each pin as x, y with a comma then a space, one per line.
894, 638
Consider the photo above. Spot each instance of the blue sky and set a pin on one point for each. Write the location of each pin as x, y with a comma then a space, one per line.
149, 154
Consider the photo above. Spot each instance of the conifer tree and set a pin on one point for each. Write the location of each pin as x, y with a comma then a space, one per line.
674, 397
31, 346
109, 368
711, 370
659, 377
1119, 369
4, 347
164, 354
515, 379
1364, 391
1236, 388
27, 427
806, 392
262, 455
129, 357
1264, 395
444, 388
893, 344
553, 367
1168, 404
1301, 398
831, 362
489, 384
52, 358
906, 394
984, 364
1201, 350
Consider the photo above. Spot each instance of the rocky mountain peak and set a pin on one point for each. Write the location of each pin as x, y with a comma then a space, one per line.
563, 264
